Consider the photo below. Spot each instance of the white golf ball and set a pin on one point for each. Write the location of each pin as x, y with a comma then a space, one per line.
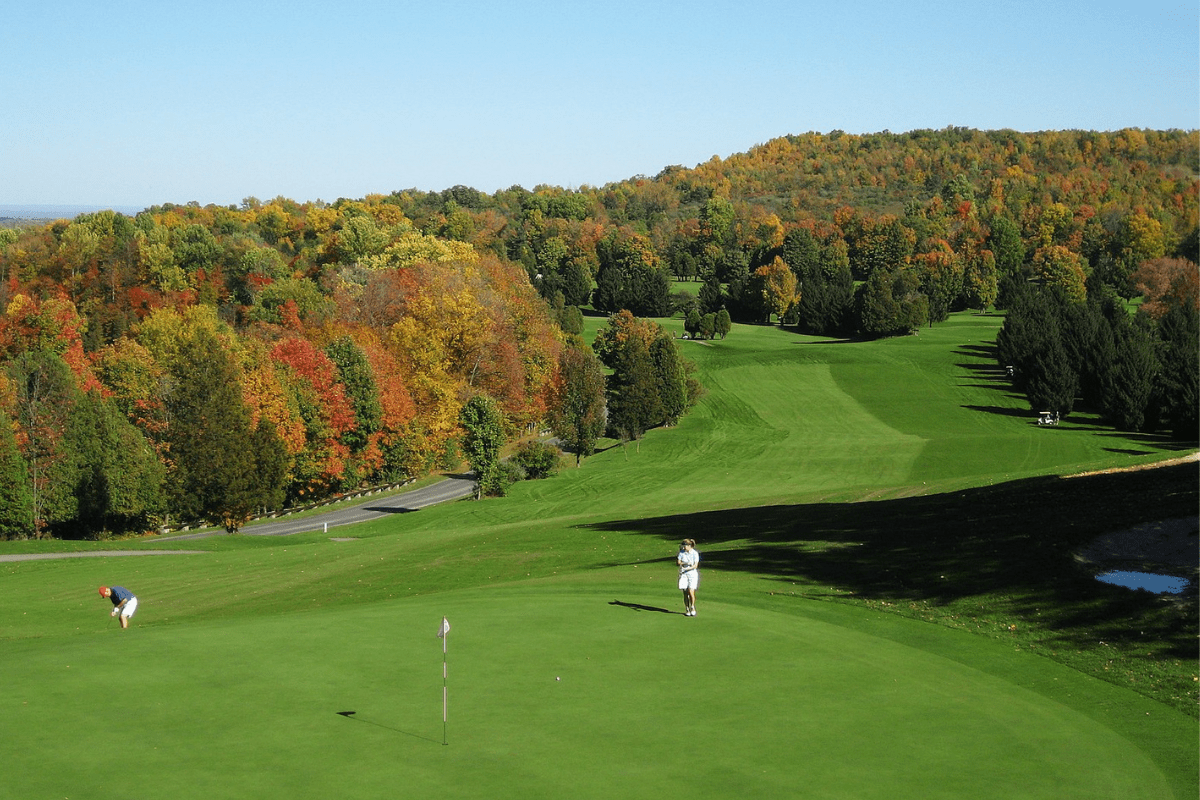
558, 679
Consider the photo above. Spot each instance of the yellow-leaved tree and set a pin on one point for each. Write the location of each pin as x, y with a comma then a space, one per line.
778, 287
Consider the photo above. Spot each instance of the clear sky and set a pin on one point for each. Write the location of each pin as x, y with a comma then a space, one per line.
133, 103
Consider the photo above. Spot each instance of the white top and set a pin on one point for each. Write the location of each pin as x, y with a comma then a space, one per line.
690, 559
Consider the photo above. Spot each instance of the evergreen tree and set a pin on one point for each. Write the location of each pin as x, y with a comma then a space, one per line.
826, 302
271, 466
711, 297
1034, 347
1051, 383
214, 472
670, 378
1088, 340
722, 324
1128, 383
633, 400
1179, 376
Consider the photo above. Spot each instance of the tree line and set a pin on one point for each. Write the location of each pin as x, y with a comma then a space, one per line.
1140, 372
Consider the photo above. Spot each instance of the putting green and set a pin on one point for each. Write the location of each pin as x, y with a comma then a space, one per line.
800, 699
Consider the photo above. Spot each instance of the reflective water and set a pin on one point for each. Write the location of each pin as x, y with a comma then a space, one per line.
1150, 581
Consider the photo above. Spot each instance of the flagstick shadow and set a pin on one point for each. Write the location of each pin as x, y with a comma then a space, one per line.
351, 715
640, 607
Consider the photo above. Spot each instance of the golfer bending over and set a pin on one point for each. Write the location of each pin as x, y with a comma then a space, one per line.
124, 603
689, 575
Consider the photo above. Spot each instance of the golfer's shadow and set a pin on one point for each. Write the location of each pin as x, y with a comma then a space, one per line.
351, 715
640, 607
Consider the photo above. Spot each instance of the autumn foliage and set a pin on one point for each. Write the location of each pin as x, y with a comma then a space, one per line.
447, 295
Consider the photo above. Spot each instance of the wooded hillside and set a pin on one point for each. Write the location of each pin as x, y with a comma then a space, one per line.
337, 343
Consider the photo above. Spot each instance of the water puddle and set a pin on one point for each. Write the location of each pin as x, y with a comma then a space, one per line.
1149, 581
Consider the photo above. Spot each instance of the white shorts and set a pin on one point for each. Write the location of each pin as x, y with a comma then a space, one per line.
689, 579
130, 607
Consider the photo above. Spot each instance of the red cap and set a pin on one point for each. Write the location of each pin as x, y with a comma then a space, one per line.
103, 589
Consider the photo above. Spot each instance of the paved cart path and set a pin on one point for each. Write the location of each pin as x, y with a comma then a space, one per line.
453, 487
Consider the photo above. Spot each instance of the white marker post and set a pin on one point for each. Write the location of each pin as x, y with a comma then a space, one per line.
444, 634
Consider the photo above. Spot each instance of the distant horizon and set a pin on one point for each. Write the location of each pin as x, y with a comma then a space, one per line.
53, 211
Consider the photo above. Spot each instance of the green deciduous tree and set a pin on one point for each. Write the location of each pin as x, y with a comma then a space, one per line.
354, 373
577, 409
16, 501
630, 276
120, 479
483, 435
1063, 271
891, 304
45, 394
980, 286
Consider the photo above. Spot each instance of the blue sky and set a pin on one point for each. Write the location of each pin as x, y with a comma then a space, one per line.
135, 103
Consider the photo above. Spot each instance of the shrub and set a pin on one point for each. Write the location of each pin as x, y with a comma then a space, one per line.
537, 459
505, 474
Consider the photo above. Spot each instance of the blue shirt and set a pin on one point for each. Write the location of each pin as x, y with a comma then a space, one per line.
119, 594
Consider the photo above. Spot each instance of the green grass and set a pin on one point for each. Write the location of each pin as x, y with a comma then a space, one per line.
889, 608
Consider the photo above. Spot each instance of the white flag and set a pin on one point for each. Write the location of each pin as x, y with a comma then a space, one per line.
444, 629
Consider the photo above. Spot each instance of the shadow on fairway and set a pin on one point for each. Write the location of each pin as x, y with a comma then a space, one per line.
640, 607
1004, 412
354, 716
1014, 541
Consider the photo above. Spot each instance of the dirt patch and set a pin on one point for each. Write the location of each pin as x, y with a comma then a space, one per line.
1157, 464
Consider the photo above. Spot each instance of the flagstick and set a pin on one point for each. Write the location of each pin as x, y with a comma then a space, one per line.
444, 638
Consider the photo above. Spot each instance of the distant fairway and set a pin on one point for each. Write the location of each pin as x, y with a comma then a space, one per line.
790, 683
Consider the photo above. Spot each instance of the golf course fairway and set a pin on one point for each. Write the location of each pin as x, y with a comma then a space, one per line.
890, 606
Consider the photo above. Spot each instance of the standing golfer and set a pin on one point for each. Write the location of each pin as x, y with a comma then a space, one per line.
123, 600
689, 575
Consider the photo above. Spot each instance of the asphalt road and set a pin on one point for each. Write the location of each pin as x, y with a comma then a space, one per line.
340, 519
453, 487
